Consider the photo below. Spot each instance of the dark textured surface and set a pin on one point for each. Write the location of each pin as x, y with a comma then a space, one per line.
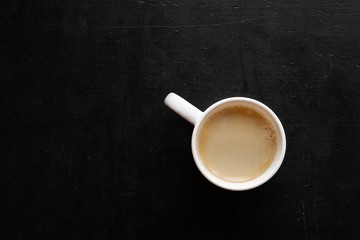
89, 151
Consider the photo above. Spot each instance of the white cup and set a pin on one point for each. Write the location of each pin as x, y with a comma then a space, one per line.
196, 117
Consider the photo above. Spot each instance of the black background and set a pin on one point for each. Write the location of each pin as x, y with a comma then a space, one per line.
89, 150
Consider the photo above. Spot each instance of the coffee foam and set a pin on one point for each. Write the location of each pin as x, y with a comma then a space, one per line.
236, 143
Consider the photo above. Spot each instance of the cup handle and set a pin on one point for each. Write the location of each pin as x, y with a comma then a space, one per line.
182, 107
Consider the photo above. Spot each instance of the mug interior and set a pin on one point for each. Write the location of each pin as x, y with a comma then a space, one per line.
280, 151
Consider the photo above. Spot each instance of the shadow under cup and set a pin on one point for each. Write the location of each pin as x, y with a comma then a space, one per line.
268, 114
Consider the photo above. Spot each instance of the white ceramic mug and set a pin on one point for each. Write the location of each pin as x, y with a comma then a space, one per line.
195, 116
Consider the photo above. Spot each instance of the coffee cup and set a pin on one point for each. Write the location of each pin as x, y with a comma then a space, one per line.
238, 143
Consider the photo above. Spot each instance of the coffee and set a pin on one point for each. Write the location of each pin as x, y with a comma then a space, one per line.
236, 143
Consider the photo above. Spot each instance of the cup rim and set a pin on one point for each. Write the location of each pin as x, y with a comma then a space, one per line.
238, 186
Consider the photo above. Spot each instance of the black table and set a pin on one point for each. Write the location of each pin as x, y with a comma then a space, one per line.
89, 150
